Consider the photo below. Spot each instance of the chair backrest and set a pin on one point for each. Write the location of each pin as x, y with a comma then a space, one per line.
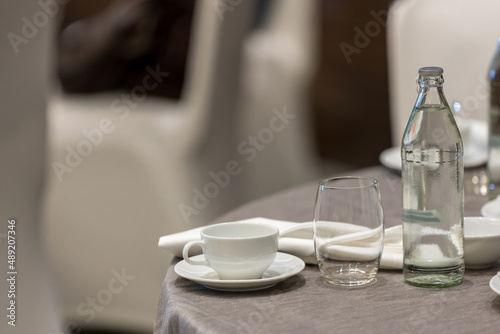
458, 35
213, 64
202, 51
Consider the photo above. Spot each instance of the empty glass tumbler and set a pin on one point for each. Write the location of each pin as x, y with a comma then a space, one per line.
348, 230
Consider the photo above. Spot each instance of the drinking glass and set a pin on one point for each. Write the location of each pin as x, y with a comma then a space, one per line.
348, 230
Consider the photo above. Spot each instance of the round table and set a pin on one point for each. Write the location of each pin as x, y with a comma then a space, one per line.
306, 304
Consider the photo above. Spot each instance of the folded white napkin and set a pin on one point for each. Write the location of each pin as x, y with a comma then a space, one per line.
297, 239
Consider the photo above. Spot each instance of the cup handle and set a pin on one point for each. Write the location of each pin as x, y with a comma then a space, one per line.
185, 253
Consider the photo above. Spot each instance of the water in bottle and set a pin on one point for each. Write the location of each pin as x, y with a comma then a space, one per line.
433, 191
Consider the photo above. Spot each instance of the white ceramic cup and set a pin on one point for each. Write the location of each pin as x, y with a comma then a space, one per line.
236, 250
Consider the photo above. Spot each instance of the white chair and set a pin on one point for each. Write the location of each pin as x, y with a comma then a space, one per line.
119, 173
278, 63
156, 167
458, 35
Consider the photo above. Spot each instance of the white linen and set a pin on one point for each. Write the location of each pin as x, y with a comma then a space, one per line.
296, 239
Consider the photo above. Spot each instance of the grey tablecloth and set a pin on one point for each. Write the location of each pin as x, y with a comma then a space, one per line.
305, 304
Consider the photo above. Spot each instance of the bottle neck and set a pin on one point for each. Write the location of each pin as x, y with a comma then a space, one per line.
431, 92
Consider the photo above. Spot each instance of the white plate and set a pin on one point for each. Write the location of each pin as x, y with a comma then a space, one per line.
491, 209
476, 151
391, 158
479, 132
495, 284
474, 156
284, 266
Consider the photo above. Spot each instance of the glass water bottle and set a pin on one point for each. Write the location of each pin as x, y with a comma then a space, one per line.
494, 126
433, 189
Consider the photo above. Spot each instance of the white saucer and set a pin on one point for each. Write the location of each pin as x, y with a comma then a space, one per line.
491, 209
474, 156
495, 284
284, 266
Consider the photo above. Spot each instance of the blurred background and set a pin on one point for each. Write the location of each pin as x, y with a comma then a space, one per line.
132, 119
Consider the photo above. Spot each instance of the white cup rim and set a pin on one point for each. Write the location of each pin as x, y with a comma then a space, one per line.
273, 230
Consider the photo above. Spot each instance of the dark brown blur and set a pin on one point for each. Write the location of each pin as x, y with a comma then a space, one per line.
106, 45
350, 113
351, 100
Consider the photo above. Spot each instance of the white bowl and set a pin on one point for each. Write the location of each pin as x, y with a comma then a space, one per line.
481, 242
492, 208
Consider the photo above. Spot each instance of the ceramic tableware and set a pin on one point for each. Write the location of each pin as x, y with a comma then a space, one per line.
481, 242
237, 250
